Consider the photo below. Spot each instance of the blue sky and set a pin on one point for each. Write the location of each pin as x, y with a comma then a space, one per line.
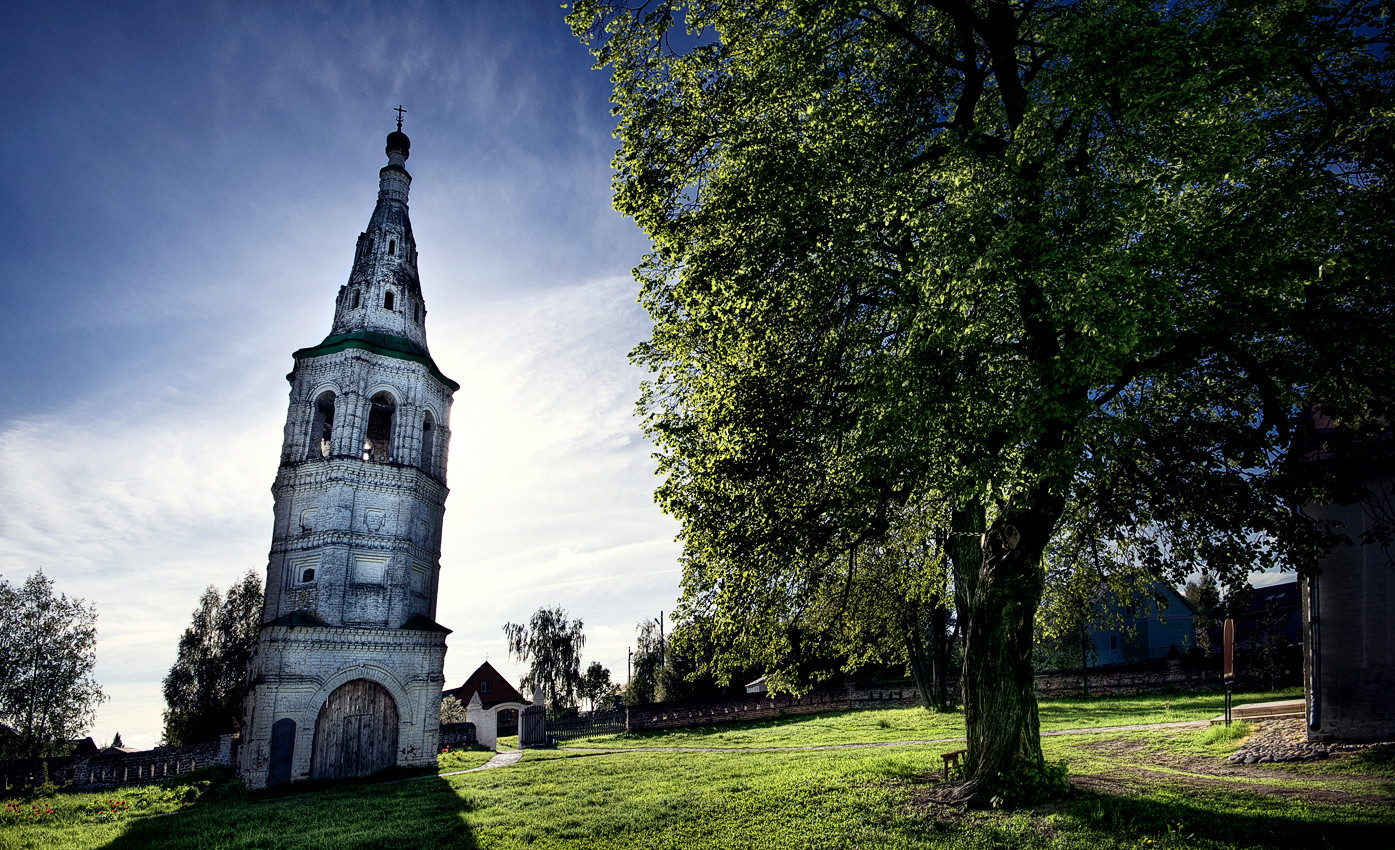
184, 185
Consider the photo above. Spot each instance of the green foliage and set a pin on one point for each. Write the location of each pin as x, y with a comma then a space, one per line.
551, 646
647, 665
1029, 785
453, 712
206, 684
48, 649
596, 686
1049, 264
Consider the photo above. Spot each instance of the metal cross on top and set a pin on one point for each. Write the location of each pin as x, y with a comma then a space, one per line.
399, 112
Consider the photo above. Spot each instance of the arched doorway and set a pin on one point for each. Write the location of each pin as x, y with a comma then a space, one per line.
356, 732
282, 752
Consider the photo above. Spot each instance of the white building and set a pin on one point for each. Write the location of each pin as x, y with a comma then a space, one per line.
347, 675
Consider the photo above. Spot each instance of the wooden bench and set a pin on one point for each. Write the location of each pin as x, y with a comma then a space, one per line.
952, 759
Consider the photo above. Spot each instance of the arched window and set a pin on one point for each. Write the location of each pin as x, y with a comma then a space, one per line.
392, 246
387, 300
428, 443
355, 305
379, 439
308, 575
322, 426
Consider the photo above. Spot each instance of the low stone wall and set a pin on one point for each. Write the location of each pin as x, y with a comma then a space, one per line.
1124, 680
1146, 678
760, 706
87, 773
109, 771
457, 735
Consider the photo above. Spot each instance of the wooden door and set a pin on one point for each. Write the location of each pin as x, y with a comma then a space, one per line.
356, 732
282, 751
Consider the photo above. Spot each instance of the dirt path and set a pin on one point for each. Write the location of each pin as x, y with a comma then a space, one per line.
1142, 763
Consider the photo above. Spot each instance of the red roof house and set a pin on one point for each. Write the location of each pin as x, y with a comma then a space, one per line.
490, 684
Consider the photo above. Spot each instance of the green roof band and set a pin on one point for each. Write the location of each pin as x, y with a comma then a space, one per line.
378, 343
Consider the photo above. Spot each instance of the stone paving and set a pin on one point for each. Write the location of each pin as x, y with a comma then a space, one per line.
1286, 740
503, 759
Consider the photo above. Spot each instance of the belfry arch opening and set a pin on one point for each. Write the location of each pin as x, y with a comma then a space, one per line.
428, 444
322, 426
379, 438
387, 300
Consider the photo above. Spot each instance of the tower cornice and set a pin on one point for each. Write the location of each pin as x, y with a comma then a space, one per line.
374, 342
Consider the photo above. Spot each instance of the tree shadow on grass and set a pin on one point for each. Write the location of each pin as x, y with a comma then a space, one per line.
417, 813
1247, 818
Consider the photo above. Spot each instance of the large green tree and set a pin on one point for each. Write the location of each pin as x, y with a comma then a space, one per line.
48, 648
1032, 262
205, 687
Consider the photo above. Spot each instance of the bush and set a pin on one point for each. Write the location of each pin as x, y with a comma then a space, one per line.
1030, 785
218, 782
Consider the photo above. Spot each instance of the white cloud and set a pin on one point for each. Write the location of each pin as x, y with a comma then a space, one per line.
138, 499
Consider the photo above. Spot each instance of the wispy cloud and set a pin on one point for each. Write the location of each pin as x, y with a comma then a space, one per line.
137, 505
194, 178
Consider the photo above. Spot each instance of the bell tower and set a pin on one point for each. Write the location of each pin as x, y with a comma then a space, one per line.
347, 674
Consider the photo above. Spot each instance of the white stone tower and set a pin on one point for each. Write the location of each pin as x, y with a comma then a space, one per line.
347, 676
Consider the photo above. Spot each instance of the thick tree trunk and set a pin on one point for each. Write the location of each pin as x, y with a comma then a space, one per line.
998, 585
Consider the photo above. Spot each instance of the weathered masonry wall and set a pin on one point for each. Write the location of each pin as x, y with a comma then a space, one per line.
1150, 678
88, 773
457, 735
1355, 690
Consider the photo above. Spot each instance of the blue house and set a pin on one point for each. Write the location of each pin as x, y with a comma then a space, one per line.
1145, 629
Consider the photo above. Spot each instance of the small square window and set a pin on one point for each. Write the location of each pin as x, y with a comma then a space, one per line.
484, 687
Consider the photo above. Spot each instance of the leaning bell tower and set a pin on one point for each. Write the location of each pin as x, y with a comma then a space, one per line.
346, 679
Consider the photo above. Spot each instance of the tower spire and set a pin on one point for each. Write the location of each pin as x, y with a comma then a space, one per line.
383, 293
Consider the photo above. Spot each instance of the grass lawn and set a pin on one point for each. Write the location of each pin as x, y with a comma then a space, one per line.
462, 759
918, 724
1161, 788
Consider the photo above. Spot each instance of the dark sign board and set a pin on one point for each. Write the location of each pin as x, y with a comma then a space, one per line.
1229, 641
